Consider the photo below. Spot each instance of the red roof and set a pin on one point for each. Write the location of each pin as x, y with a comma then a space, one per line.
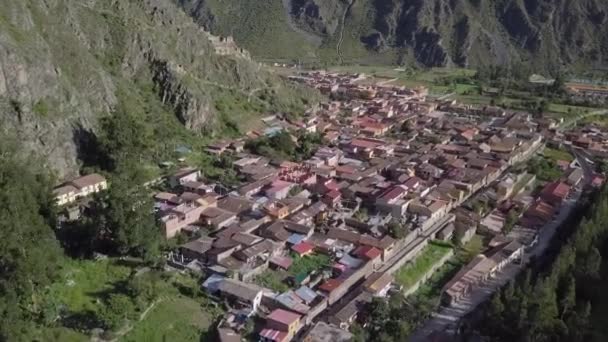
367, 252
273, 335
283, 316
413, 182
364, 143
302, 248
281, 261
332, 185
393, 193
330, 285
333, 194
345, 169
559, 189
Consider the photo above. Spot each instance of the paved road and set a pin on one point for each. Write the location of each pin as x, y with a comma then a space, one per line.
448, 317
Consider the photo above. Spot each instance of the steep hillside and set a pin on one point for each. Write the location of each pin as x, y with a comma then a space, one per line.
66, 63
430, 32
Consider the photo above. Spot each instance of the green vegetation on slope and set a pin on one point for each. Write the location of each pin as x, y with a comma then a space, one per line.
80, 62
30, 257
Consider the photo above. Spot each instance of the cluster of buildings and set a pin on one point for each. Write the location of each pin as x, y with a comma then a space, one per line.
390, 155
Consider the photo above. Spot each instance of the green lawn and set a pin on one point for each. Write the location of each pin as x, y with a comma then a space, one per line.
83, 282
175, 319
412, 272
555, 154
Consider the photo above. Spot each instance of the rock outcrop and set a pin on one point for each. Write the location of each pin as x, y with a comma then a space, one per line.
65, 63
543, 33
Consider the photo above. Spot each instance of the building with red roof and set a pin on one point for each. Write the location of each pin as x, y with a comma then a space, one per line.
538, 214
303, 248
367, 252
281, 321
330, 285
555, 193
332, 198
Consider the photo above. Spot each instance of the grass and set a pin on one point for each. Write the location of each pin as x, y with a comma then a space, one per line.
412, 272
309, 263
470, 250
181, 314
431, 289
173, 319
272, 280
557, 154
82, 282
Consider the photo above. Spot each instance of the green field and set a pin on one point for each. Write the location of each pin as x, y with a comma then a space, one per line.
412, 272
180, 312
174, 319
436, 79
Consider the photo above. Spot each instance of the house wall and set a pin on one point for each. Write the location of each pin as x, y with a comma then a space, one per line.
177, 181
315, 311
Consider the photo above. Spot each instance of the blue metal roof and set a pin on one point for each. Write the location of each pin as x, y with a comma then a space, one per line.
306, 293
295, 239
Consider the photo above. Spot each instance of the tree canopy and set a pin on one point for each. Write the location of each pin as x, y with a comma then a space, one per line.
555, 304
30, 255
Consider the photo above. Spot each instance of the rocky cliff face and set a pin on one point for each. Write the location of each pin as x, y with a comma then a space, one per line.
63, 64
442, 32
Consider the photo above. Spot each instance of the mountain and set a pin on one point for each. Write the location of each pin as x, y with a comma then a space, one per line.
65, 64
542, 33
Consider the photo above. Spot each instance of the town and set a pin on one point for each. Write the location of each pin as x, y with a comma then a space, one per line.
301, 243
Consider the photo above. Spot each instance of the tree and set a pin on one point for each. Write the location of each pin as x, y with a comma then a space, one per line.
124, 217
30, 255
568, 297
124, 138
118, 308
592, 264
396, 229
